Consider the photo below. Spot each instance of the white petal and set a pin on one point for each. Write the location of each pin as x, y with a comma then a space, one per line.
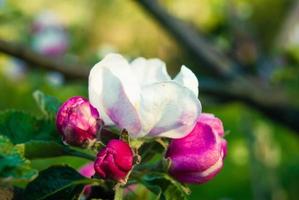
115, 93
188, 79
149, 71
168, 109
96, 101
117, 105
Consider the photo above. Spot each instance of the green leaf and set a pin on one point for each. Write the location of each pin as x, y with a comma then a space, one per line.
42, 149
36, 149
165, 187
149, 149
37, 138
57, 182
13, 166
21, 127
157, 190
48, 105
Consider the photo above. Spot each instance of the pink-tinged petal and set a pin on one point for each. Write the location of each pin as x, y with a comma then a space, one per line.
168, 109
141, 97
87, 170
214, 122
149, 71
188, 79
114, 91
94, 100
118, 106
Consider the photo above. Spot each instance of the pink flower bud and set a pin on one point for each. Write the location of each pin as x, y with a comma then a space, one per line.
198, 157
87, 171
114, 161
77, 121
214, 122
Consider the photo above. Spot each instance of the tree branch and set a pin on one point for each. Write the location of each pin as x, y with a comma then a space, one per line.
203, 52
272, 102
42, 61
269, 101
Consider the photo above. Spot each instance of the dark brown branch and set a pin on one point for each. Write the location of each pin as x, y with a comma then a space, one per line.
43, 62
276, 107
272, 102
203, 52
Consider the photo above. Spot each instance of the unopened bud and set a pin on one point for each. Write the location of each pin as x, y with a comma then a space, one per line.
198, 157
114, 161
77, 121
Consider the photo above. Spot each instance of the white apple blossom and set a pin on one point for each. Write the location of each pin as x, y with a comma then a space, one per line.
142, 98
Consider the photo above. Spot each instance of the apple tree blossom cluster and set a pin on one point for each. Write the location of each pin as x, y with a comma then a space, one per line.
136, 102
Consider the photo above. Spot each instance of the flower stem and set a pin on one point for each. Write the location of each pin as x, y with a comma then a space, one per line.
75, 153
118, 192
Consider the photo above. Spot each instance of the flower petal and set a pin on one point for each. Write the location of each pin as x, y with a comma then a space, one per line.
200, 177
214, 122
149, 71
188, 79
198, 151
168, 109
87, 170
115, 93
124, 156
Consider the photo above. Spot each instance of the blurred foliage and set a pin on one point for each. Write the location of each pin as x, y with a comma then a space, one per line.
263, 157
14, 166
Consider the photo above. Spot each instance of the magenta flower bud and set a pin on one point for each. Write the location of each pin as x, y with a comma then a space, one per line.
214, 122
77, 121
198, 157
87, 171
114, 161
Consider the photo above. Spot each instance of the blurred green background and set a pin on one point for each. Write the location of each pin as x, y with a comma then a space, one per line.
263, 156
